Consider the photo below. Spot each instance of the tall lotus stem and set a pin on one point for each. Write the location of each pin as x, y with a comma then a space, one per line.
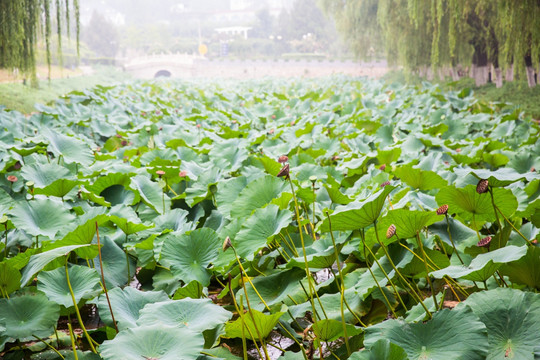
103, 279
284, 172
72, 337
421, 246
90, 340
443, 210
341, 286
392, 232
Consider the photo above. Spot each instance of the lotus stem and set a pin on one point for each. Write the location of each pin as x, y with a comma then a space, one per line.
415, 295
308, 273
375, 278
90, 341
490, 189
451, 240
240, 313
49, 345
103, 279
514, 228
341, 286
421, 246
73, 342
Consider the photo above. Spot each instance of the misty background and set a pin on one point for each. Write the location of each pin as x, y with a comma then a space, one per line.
243, 29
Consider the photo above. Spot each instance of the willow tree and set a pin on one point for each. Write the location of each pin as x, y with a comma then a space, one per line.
23, 23
357, 21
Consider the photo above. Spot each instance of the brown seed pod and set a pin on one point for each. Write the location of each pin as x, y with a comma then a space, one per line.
442, 210
485, 242
482, 186
284, 172
283, 159
391, 231
227, 243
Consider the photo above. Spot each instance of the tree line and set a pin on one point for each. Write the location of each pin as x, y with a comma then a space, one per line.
486, 39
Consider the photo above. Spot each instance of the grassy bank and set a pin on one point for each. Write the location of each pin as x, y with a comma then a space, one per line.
21, 97
515, 94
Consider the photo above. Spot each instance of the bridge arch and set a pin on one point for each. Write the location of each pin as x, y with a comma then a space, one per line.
162, 73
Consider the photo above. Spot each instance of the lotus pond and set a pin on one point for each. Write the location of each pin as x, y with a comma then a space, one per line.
333, 218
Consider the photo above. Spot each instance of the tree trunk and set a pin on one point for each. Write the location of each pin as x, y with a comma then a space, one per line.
498, 78
529, 70
454, 72
510, 73
531, 81
480, 74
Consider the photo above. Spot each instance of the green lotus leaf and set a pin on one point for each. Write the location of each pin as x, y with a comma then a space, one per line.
39, 261
483, 265
511, 318
10, 278
70, 148
330, 330
115, 265
126, 304
263, 224
188, 256
525, 271
407, 222
41, 217
499, 178
257, 194
127, 220
233, 151
420, 179
357, 215
467, 203
28, 315
153, 342
82, 235
49, 179
196, 315
44, 174
259, 324
151, 193
84, 283
449, 335
228, 191
381, 349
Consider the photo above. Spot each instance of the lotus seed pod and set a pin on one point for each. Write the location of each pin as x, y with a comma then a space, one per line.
485, 241
443, 210
283, 159
12, 178
391, 231
284, 172
227, 243
482, 186
160, 173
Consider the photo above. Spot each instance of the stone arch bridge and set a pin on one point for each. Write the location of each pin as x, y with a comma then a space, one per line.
194, 66
162, 65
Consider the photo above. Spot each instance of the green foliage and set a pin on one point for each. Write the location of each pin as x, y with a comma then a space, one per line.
167, 177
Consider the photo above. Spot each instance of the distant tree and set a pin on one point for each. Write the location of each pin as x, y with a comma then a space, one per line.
101, 36
264, 25
23, 22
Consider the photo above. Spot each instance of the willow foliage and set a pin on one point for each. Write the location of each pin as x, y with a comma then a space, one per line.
24, 22
443, 33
